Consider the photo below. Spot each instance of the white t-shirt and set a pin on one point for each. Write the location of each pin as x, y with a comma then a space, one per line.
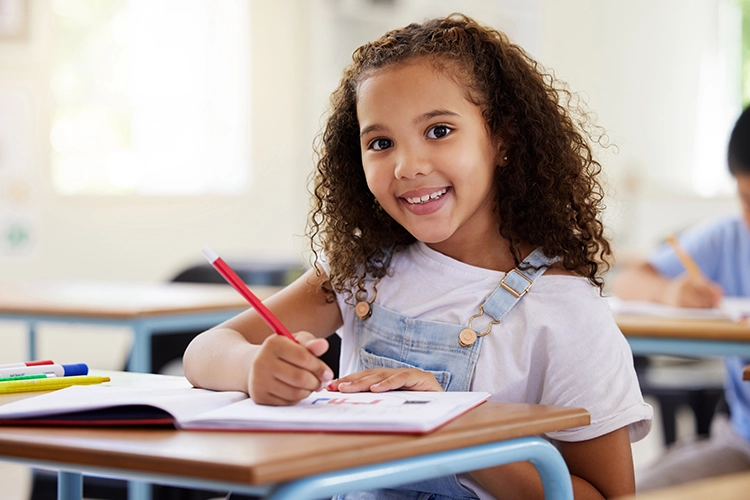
559, 345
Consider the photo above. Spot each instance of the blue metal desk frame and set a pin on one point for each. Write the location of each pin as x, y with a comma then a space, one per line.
144, 327
688, 347
545, 457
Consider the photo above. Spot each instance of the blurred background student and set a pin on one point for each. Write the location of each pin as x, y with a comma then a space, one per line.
721, 250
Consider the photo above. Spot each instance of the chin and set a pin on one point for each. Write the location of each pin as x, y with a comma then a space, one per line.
430, 238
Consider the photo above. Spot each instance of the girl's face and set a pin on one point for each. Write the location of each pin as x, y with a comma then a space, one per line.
428, 156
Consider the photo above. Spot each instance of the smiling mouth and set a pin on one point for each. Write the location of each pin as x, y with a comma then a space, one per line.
427, 198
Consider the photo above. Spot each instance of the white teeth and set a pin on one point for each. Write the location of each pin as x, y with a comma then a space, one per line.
427, 197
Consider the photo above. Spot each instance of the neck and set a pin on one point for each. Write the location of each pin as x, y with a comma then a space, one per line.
490, 253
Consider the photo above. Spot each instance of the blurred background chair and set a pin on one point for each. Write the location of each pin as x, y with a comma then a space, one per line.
676, 382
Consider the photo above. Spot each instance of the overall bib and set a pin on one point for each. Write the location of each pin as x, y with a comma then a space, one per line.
388, 339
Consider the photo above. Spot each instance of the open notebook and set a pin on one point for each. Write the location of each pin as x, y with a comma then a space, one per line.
190, 408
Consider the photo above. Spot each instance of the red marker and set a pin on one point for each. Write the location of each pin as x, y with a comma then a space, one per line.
28, 363
228, 274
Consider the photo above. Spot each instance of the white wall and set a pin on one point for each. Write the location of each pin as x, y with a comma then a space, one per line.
150, 238
637, 62
641, 64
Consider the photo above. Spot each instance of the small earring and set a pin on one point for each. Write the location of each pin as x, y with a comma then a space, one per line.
505, 158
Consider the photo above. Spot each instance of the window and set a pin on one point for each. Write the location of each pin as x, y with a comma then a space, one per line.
718, 99
150, 97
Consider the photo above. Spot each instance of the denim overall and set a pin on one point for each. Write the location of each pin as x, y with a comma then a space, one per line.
388, 339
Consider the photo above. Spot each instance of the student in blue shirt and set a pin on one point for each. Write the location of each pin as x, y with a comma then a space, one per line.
721, 249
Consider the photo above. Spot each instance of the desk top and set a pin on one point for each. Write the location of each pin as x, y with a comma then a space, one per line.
258, 458
693, 329
119, 300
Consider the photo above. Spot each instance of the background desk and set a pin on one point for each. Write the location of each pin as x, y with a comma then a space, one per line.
295, 465
148, 309
697, 385
685, 337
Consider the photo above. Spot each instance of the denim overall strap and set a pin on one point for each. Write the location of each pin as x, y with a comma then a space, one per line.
516, 283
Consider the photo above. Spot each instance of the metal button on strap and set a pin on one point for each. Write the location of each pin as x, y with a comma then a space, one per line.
363, 310
467, 337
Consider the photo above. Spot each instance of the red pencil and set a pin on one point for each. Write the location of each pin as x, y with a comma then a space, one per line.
228, 274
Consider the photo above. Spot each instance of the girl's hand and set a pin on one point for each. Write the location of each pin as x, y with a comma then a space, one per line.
689, 291
387, 379
284, 373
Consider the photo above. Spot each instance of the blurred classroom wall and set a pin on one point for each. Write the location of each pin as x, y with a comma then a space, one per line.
648, 69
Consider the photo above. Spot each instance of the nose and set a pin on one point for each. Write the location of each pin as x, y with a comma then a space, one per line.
412, 163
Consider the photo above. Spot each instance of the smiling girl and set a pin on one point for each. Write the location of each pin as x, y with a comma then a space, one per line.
458, 242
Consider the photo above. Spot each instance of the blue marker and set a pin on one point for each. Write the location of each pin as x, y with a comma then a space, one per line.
56, 370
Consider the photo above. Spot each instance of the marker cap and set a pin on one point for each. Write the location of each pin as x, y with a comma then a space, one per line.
75, 369
40, 362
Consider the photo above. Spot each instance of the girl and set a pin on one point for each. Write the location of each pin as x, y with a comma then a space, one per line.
450, 180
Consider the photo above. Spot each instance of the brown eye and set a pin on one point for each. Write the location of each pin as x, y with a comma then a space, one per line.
381, 144
439, 131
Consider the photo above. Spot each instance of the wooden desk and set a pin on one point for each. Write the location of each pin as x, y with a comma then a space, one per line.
148, 309
685, 337
285, 465
746, 373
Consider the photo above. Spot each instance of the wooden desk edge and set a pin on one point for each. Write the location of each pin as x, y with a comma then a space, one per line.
474, 428
692, 329
84, 315
413, 446
133, 300
746, 373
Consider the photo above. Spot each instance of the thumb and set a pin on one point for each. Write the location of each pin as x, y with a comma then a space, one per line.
316, 346
303, 337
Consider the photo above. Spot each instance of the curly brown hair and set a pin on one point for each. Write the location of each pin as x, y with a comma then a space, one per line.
548, 192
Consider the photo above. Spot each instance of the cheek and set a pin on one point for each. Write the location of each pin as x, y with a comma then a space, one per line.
376, 175
374, 182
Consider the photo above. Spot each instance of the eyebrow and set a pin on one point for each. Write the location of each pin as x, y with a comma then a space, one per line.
434, 114
421, 118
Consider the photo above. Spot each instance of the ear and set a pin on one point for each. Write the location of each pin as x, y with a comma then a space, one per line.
502, 154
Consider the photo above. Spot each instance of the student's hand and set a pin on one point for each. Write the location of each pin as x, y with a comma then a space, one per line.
689, 291
283, 373
387, 379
